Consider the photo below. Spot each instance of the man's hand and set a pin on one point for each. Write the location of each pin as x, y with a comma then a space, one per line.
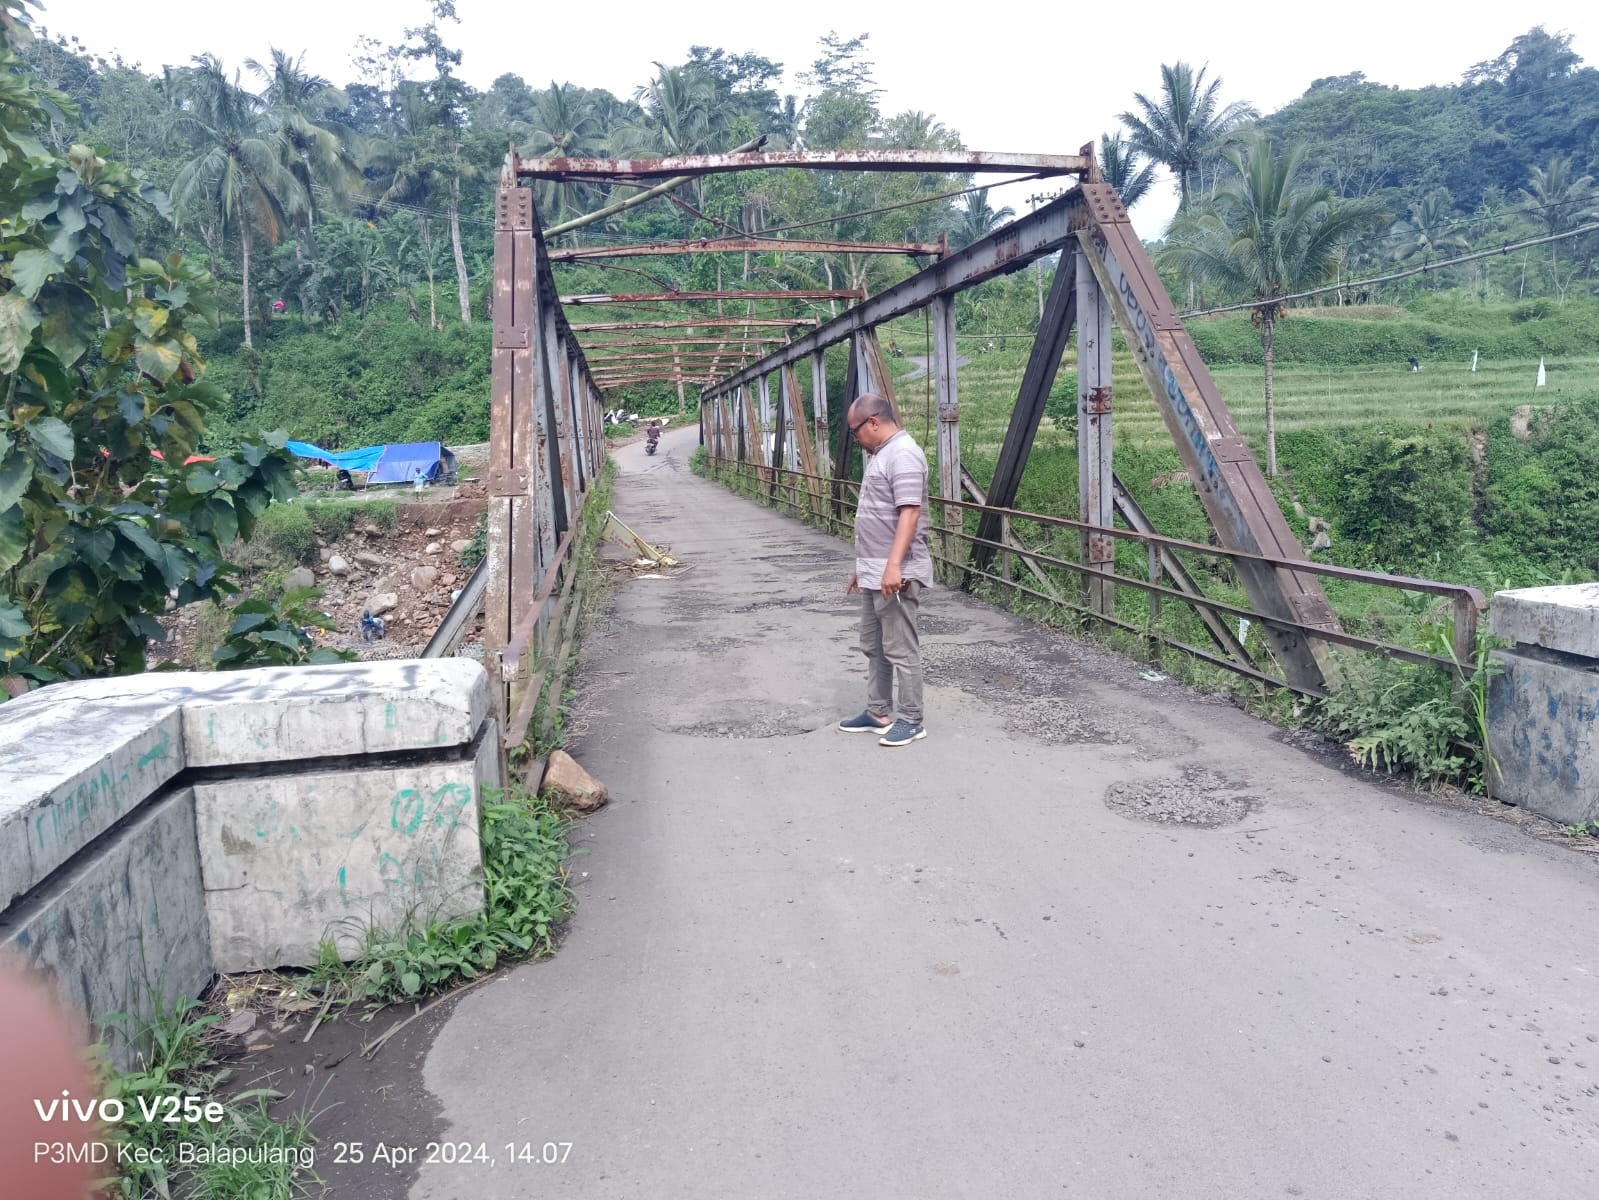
854, 584
892, 582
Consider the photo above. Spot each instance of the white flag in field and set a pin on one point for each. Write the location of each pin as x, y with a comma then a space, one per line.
1542, 378
1473, 360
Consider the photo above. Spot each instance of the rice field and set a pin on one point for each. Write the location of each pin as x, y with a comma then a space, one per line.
1307, 397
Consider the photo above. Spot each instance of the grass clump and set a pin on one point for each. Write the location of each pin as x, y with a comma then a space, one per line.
247, 1153
526, 896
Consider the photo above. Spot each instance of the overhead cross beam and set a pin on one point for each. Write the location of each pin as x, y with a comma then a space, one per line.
743, 245
702, 323
668, 343
675, 297
711, 356
1008, 249
944, 161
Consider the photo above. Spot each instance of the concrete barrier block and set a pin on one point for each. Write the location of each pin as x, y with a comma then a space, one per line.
1543, 727
284, 713
1564, 618
124, 925
291, 860
71, 768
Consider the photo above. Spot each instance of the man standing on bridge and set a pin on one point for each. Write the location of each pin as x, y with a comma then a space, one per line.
893, 566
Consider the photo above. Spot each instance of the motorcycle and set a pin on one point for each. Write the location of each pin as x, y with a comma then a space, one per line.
649, 447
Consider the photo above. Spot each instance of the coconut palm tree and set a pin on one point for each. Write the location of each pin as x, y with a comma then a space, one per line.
1185, 128
1431, 227
1271, 231
565, 125
1558, 202
237, 172
977, 220
679, 105
315, 149
1122, 167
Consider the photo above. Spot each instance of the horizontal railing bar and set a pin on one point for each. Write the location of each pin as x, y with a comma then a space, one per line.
1336, 638
511, 656
1433, 587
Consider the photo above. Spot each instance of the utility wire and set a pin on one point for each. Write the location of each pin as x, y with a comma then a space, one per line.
1405, 274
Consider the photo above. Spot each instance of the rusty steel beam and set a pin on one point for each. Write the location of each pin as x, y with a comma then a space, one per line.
742, 246
952, 161
706, 323
710, 357
674, 297
668, 343
1007, 249
1236, 496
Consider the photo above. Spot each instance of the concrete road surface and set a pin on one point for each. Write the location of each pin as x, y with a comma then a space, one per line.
1094, 937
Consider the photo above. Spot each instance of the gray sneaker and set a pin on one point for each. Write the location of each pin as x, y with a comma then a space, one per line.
902, 733
862, 723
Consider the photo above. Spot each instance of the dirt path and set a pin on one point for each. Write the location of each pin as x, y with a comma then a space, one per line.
1094, 937
922, 366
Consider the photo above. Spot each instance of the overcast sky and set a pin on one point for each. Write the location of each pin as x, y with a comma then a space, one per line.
1025, 78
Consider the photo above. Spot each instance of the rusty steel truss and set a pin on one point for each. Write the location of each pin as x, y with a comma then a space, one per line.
747, 246
547, 440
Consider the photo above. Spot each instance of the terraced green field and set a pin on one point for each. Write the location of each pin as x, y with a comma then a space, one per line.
1307, 397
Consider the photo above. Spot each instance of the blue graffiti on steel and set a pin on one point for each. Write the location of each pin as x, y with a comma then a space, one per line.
1144, 330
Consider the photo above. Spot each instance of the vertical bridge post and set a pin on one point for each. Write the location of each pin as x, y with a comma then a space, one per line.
949, 431
512, 536
1095, 495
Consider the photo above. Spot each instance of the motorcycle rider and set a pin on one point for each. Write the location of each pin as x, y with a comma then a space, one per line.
653, 433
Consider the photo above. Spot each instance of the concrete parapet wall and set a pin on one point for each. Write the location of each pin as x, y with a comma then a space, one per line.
1543, 727
125, 925
291, 860
1564, 618
157, 827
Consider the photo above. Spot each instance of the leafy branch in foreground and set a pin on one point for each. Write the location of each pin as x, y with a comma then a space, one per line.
106, 510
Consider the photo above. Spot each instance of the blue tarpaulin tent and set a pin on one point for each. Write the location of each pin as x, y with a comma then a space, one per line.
351, 460
399, 462
402, 463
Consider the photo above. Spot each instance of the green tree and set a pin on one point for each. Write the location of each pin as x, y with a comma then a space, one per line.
1186, 126
238, 174
316, 151
977, 219
565, 125
1270, 232
1559, 201
1121, 165
99, 373
1431, 227
447, 97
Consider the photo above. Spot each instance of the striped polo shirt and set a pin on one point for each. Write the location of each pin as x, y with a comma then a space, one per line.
895, 476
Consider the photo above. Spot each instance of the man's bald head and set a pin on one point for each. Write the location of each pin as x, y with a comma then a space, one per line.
872, 421
871, 404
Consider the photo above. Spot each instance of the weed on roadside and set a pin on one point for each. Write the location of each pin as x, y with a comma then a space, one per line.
163, 1150
526, 896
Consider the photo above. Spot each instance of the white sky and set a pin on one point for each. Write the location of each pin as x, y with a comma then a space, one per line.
1043, 78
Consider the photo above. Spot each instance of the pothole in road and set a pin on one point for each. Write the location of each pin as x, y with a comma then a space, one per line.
718, 647
942, 626
777, 723
1195, 797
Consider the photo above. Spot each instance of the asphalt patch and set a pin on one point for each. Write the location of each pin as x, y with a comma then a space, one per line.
1195, 797
776, 723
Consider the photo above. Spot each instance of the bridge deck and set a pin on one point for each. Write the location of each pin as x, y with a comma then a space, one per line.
805, 966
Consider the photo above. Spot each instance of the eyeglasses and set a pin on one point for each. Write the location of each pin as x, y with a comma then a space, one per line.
855, 430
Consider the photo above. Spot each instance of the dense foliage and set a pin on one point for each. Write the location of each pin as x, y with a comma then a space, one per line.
102, 519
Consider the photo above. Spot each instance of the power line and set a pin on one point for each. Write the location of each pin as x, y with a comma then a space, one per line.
1405, 274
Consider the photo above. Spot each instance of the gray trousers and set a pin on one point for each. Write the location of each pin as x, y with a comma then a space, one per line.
892, 646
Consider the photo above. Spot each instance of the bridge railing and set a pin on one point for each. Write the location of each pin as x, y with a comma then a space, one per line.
1170, 569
